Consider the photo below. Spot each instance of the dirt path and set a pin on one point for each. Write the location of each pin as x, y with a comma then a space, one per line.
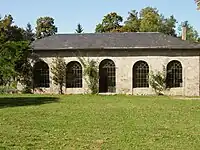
186, 98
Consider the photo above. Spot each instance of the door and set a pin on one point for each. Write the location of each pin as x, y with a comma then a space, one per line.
107, 76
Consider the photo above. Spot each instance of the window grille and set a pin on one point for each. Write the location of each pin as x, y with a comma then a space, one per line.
74, 75
41, 75
174, 74
140, 74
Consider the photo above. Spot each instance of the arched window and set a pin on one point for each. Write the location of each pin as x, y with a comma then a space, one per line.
74, 75
41, 74
140, 74
107, 81
174, 74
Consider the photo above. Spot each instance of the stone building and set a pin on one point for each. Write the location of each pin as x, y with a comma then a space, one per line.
124, 59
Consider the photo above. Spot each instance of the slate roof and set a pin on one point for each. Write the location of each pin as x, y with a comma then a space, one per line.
129, 40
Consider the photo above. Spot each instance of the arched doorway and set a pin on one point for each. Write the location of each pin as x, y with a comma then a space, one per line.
41, 75
107, 79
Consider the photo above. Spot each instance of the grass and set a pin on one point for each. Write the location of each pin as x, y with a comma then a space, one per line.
98, 122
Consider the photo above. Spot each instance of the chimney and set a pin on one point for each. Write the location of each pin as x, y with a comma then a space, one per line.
184, 30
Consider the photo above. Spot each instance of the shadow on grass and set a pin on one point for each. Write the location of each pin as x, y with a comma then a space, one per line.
25, 101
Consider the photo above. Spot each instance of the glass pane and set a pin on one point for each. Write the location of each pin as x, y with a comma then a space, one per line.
174, 74
74, 75
140, 74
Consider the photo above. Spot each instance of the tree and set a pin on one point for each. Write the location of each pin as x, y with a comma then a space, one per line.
121, 29
110, 22
198, 4
191, 33
10, 32
132, 24
7, 61
147, 20
23, 66
29, 35
14, 53
45, 27
14, 60
79, 28
150, 20
59, 72
168, 25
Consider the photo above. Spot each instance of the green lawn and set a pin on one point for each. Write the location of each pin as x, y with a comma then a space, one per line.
98, 122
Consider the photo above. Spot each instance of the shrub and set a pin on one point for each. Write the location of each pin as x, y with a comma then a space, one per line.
158, 81
59, 72
7, 90
27, 90
91, 74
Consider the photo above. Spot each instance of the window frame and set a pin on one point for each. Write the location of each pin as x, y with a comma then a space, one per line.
140, 74
174, 74
75, 80
41, 78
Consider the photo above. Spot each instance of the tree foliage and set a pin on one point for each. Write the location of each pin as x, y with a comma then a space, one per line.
45, 27
59, 73
79, 28
198, 4
7, 61
28, 34
150, 20
14, 53
14, 62
168, 25
147, 20
110, 22
10, 32
132, 24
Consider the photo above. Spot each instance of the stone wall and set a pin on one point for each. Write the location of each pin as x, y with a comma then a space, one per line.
124, 61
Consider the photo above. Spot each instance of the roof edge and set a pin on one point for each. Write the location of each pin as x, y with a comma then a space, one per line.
113, 48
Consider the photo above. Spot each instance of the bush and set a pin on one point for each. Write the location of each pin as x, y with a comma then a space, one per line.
7, 90
59, 73
91, 74
158, 81
27, 90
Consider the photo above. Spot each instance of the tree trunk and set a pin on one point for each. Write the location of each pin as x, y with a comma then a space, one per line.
60, 89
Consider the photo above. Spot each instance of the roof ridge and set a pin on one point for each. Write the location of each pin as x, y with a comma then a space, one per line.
104, 33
